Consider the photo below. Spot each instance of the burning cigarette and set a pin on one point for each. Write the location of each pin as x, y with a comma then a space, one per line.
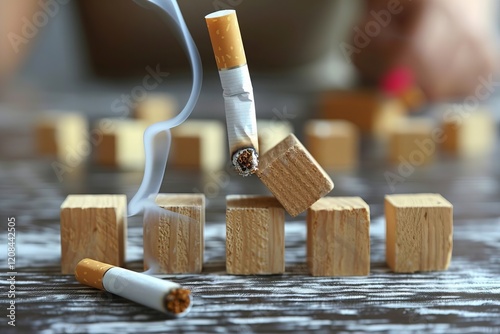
164, 296
238, 92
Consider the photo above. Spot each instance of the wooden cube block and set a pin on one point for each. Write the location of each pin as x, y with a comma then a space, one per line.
333, 143
366, 109
271, 132
174, 234
412, 141
156, 108
470, 137
419, 232
93, 226
338, 237
255, 235
63, 135
293, 176
122, 144
199, 145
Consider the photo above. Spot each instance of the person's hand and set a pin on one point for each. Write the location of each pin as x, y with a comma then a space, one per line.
448, 44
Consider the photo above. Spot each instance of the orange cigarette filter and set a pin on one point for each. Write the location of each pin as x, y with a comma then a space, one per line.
90, 272
225, 35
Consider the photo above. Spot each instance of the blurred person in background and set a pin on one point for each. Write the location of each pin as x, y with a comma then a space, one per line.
447, 44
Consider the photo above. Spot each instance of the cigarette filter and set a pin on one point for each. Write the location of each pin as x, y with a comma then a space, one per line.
164, 296
238, 91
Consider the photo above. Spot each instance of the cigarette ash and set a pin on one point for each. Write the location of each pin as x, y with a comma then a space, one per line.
246, 161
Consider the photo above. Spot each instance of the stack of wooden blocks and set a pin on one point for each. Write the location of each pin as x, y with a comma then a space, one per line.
419, 226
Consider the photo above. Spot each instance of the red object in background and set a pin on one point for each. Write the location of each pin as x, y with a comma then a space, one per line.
397, 81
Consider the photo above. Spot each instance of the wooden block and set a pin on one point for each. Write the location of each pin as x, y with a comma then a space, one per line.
412, 141
93, 226
63, 135
156, 108
174, 239
293, 176
338, 237
199, 145
366, 109
419, 232
122, 144
470, 137
255, 235
333, 143
271, 132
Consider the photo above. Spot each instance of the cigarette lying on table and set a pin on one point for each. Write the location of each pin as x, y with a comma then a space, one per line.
238, 92
164, 296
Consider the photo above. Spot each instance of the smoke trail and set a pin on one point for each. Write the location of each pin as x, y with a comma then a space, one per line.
157, 137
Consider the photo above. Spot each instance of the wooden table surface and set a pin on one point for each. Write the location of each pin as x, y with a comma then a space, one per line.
466, 298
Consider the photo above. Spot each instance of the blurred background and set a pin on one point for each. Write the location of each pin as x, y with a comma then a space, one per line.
375, 64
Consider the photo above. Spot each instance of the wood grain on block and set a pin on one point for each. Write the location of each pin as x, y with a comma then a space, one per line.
271, 132
255, 235
412, 141
174, 234
419, 232
293, 176
333, 143
93, 226
199, 145
366, 109
338, 237
156, 108
63, 135
470, 137
122, 144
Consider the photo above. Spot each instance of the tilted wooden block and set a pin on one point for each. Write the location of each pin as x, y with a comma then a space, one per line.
470, 137
93, 226
255, 235
366, 109
199, 145
338, 237
293, 176
156, 108
271, 132
334, 144
174, 234
419, 232
412, 141
122, 144
63, 135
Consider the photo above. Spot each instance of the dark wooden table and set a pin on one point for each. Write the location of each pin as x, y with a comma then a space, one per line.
466, 298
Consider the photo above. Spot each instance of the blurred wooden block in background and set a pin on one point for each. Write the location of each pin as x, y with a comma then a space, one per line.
338, 237
156, 108
63, 135
271, 132
93, 226
412, 141
174, 239
255, 235
122, 144
333, 143
471, 136
366, 109
294, 177
419, 232
199, 145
